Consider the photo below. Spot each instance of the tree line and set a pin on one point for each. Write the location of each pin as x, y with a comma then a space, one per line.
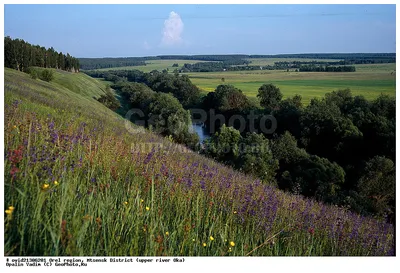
241, 66
20, 55
326, 68
98, 63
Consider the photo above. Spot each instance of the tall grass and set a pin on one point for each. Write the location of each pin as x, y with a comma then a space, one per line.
78, 183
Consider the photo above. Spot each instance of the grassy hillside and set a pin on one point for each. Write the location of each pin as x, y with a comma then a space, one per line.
81, 182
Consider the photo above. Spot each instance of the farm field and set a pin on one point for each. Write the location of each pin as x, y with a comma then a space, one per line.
154, 65
369, 80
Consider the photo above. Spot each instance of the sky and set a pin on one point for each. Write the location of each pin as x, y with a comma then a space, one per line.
149, 30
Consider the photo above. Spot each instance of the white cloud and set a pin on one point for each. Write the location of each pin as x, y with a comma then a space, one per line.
172, 31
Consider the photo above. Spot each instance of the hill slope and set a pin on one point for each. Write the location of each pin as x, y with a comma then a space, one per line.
78, 182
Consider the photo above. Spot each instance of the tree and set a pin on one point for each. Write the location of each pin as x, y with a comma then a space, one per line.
229, 98
377, 185
168, 117
306, 174
224, 145
21, 55
47, 75
288, 116
324, 121
269, 96
109, 100
256, 157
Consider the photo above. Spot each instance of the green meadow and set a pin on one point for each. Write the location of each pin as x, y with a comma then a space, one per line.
369, 81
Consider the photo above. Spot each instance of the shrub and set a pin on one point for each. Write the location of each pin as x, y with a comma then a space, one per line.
32, 72
47, 75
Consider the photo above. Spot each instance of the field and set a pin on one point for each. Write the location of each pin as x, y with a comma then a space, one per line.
155, 65
369, 80
77, 182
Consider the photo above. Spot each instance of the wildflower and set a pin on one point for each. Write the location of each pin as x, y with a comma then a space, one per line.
8, 212
204, 244
147, 208
45, 186
235, 212
232, 243
311, 231
126, 203
211, 238
193, 240
15, 127
167, 233
11, 208
141, 200
56, 183
230, 249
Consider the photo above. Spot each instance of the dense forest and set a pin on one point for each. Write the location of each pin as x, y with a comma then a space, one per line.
339, 149
21, 55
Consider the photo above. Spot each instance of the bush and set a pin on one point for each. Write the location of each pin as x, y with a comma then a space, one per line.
47, 75
32, 72
109, 100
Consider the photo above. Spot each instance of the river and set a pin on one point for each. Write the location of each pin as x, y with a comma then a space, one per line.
201, 132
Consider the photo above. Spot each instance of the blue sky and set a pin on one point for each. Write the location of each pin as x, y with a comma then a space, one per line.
146, 30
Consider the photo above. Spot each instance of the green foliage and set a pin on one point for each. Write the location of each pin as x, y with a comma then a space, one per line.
377, 185
256, 157
306, 174
224, 145
32, 72
288, 116
269, 96
109, 100
322, 120
226, 98
21, 55
47, 75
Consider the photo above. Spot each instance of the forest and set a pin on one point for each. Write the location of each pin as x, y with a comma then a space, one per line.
20, 55
339, 149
